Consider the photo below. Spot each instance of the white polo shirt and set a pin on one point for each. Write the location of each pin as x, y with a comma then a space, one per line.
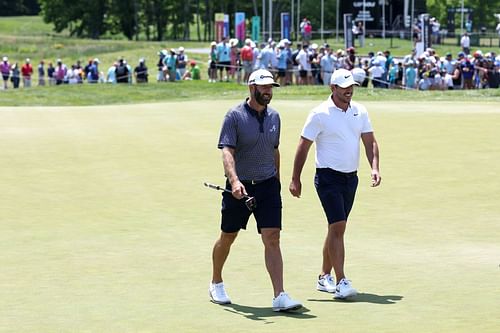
337, 134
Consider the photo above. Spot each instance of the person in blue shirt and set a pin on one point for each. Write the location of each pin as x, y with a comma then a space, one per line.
327, 65
223, 57
93, 73
393, 73
411, 75
170, 62
282, 63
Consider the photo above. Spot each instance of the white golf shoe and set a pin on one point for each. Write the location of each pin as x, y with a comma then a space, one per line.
326, 283
283, 302
344, 289
218, 293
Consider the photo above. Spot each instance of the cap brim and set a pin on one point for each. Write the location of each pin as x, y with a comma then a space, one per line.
274, 84
348, 84
263, 82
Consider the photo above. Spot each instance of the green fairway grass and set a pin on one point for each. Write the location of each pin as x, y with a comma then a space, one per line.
105, 225
108, 94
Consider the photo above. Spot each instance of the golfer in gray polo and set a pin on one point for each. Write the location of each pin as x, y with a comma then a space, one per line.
249, 141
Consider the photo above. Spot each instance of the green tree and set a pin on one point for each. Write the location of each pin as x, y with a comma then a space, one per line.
11, 7
85, 18
16, 7
483, 11
124, 14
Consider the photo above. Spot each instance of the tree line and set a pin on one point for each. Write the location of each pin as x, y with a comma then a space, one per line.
152, 19
179, 19
17, 7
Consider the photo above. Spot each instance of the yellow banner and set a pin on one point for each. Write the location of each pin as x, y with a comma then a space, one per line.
219, 17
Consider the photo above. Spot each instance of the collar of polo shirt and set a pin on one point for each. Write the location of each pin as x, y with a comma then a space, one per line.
254, 112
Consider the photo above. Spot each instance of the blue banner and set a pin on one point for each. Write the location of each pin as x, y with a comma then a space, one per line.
226, 25
285, 26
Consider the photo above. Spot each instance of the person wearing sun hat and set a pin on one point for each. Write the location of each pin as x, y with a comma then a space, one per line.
249, 140
182, 61
27, 71
5, 71
336, 126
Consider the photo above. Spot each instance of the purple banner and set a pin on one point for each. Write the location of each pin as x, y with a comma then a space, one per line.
240, 27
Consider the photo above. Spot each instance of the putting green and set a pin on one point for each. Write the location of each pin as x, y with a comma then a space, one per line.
105, 225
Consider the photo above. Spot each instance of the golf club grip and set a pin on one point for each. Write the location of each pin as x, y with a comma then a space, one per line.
216, 187
219, 188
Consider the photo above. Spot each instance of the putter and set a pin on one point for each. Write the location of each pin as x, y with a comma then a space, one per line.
250, 202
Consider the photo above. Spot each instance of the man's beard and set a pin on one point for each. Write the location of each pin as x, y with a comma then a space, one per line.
261, 99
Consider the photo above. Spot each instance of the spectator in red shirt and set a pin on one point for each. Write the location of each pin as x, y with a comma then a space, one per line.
246, 54
26, 72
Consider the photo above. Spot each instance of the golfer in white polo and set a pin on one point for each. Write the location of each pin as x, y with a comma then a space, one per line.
336, 125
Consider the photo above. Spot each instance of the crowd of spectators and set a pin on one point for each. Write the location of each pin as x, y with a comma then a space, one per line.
310, 64
60, 73
172, 65
305, 64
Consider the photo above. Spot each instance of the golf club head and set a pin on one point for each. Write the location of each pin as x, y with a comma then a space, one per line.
251, 203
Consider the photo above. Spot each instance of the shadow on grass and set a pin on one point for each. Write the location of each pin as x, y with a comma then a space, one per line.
265, 313
365, 298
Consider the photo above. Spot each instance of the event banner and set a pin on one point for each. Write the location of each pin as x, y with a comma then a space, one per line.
348, 31
219, 26
256, 28
239, 26
285, 26
226, 25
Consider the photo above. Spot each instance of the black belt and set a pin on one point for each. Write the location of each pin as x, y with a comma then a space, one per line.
340, 173
254, 182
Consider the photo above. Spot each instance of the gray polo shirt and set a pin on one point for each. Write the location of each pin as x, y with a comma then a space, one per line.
254, 139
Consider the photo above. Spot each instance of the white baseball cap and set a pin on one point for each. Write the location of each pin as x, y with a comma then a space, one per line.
261, 77
342, 78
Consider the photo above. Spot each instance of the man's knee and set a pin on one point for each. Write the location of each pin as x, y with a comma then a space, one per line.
227, 238
337, 229
271, 237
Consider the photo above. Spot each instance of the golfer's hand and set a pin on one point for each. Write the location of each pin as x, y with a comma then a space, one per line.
295, 188
238, 190
376, 179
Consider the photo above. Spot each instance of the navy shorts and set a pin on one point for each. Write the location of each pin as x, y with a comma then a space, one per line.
224, 65
336, 191
267, 194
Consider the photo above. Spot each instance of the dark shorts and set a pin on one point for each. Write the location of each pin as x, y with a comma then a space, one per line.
281, 72
336, 191
5, 77
302, 73
224, 64
213, 64
235, 214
